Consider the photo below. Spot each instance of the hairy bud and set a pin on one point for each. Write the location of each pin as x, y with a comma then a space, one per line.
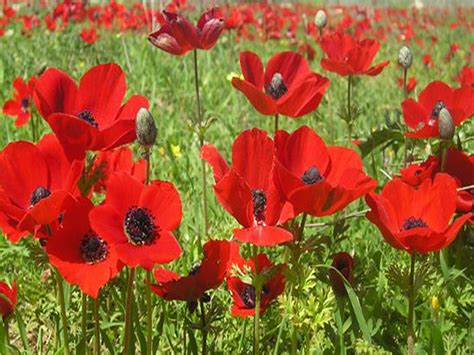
405, 57
145, 127
320, 19
445, 125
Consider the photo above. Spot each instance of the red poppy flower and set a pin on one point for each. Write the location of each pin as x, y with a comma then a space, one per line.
82, 256
89, 35
287, 86
427, 61
417, 219
317, 179
246, 190
344, 264
178, 36
219, 256
19, 106
348, 56
8, 299
91, 116
138, 220
466, 77
422, 115
410, 84
35, 181
243, 294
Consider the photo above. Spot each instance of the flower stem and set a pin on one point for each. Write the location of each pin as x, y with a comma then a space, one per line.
203, 328
128, 312
6, 325
349, 109
405, 138
62, 304
258, 296
411, 306
443, 149
276, 123
149, 315
96, 327
84, 319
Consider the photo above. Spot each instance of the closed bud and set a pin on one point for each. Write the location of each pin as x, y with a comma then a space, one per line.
344, 264
405, 57
445, 125
146, 128
321, 19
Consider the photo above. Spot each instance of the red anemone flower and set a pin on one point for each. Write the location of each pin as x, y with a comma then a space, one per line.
91, 116
244, 295
138, 220
422, 115
348, 56
219, 255
246, 190
89, 35
466, 77
287, 86
35, 180
178, 36
82, 256
344, 264
20, 105
8, 299
417, 220
317, 179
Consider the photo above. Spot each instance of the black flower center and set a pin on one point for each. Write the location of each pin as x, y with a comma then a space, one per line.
139, 226
38, 194
311, 176
93, 248
87, 116
413, 222
195, 268
25, 103
439, 105
277, 87
259, 199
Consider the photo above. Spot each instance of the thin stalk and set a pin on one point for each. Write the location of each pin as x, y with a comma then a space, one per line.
405, 138
84, 319
276, 123
411, 307
443, 149
149, 315
96, 327
62, 304
258, 297
6, 325
128, 311
349, 109
203, 327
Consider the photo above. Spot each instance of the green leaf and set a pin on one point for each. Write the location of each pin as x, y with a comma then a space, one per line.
22, 329
354, 300
3, 339
437, 340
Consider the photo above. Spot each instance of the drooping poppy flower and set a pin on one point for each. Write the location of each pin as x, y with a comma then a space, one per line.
138, 220
89, 35
244, 295
178, 36
347, 56
35, 180
8, 299
219, 255
91, 116
20, 105
466, 77
417, 219
344, 264
287, 86
317, 179
422, 115
246, 190
81, 255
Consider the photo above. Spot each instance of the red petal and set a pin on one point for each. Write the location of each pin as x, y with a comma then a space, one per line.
263, 236
252, 69
219, 166
292, 66
261, 101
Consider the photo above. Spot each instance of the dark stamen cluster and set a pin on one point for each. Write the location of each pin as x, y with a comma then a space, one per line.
439, 105
195, 268
93, 248
277, 87
38, 194
25, 103
413, 222
259, 199
311, 176
139, 226
87, 116
249, 295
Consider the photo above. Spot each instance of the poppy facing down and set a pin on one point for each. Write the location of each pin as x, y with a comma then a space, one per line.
344, 264
90, 116
20, 105
417, 219
287, 86
82, 256
138, 220
8, 299
243, 294
208, 274
246, 190
317, 179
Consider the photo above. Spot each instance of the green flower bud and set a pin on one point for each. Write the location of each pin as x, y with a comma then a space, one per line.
145, 127
405, 57
321, 19
445, 125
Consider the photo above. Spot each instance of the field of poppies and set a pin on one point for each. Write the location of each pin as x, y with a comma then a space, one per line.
179, 178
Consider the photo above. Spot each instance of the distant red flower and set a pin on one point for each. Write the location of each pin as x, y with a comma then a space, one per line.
344, 263
427, 61
306, 50
178, 36
287, 86
91, 116
244, 295
410, 84
20, 105
317, 179
35, 181
246, 190
89, 35
8, 299
8, 12
219, 256
347, 56
422, 115
466, 77
82, 256
138, 219
417, 219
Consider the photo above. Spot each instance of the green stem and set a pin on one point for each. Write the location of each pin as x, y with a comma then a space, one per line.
149, 315
84, 319
62, 304
258, 296
443, 149
349, 109
411, 306
6, 325
405, 138
405, 86
276, 123
128, 312
96, 327
203, 328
